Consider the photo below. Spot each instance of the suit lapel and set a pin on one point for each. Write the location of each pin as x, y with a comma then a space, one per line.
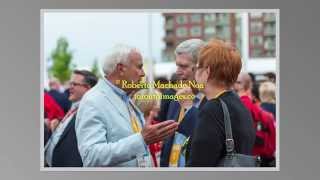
67, 129
114, 99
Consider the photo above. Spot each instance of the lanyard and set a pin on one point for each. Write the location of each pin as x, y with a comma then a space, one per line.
181, 114
133, 119
69, 114
219, 94
144, 160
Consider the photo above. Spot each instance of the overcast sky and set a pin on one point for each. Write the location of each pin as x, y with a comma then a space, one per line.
92, 34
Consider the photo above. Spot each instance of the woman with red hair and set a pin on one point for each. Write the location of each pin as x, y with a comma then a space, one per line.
218, 68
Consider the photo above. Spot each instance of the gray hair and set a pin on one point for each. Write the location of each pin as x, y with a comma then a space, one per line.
191, 47
119, 54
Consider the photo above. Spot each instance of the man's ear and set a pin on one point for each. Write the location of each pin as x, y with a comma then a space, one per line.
88, 86
120, 68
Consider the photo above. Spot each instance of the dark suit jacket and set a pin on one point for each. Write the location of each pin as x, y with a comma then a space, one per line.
185, 127
164, 106
66, 153
61, 99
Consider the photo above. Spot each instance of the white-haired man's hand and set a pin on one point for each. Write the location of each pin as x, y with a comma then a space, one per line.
157, 132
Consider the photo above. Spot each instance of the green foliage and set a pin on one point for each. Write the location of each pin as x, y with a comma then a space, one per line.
61, 57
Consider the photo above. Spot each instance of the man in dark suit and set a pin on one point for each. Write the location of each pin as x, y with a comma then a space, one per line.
61, 149
184, 111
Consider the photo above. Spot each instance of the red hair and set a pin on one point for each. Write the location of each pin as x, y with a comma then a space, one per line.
223, 60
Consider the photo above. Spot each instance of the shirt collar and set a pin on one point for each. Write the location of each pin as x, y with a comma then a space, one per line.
121, 93
75, 105
199, 95
197, 99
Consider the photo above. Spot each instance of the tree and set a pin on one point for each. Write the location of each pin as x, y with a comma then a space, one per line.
61, 57
95, 68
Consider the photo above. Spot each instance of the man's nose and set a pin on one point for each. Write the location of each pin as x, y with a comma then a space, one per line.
142, 74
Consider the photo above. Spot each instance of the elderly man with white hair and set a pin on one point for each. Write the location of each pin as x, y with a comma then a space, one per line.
111, 130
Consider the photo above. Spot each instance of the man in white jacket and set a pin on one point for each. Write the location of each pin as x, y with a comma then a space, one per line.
111, 130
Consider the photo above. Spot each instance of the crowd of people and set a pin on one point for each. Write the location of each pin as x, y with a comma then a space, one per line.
98, 123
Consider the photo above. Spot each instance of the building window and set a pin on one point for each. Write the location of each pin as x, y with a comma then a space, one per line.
210, 17
223, 33
169, 24
182, 19
270, 44
196, 31
196, 18
181, 32
210, 30
270, 17
256, 27
270, 30
256, 41
222, 19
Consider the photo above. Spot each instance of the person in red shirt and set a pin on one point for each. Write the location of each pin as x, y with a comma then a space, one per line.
263, 121
52, 111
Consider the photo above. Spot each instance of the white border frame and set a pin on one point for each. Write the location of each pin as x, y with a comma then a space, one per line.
43, 63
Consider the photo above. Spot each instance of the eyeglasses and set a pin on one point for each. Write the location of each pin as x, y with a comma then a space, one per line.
76, 84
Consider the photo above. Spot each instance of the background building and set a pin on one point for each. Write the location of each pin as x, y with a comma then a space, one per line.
226, 26
181, 26
262, 34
